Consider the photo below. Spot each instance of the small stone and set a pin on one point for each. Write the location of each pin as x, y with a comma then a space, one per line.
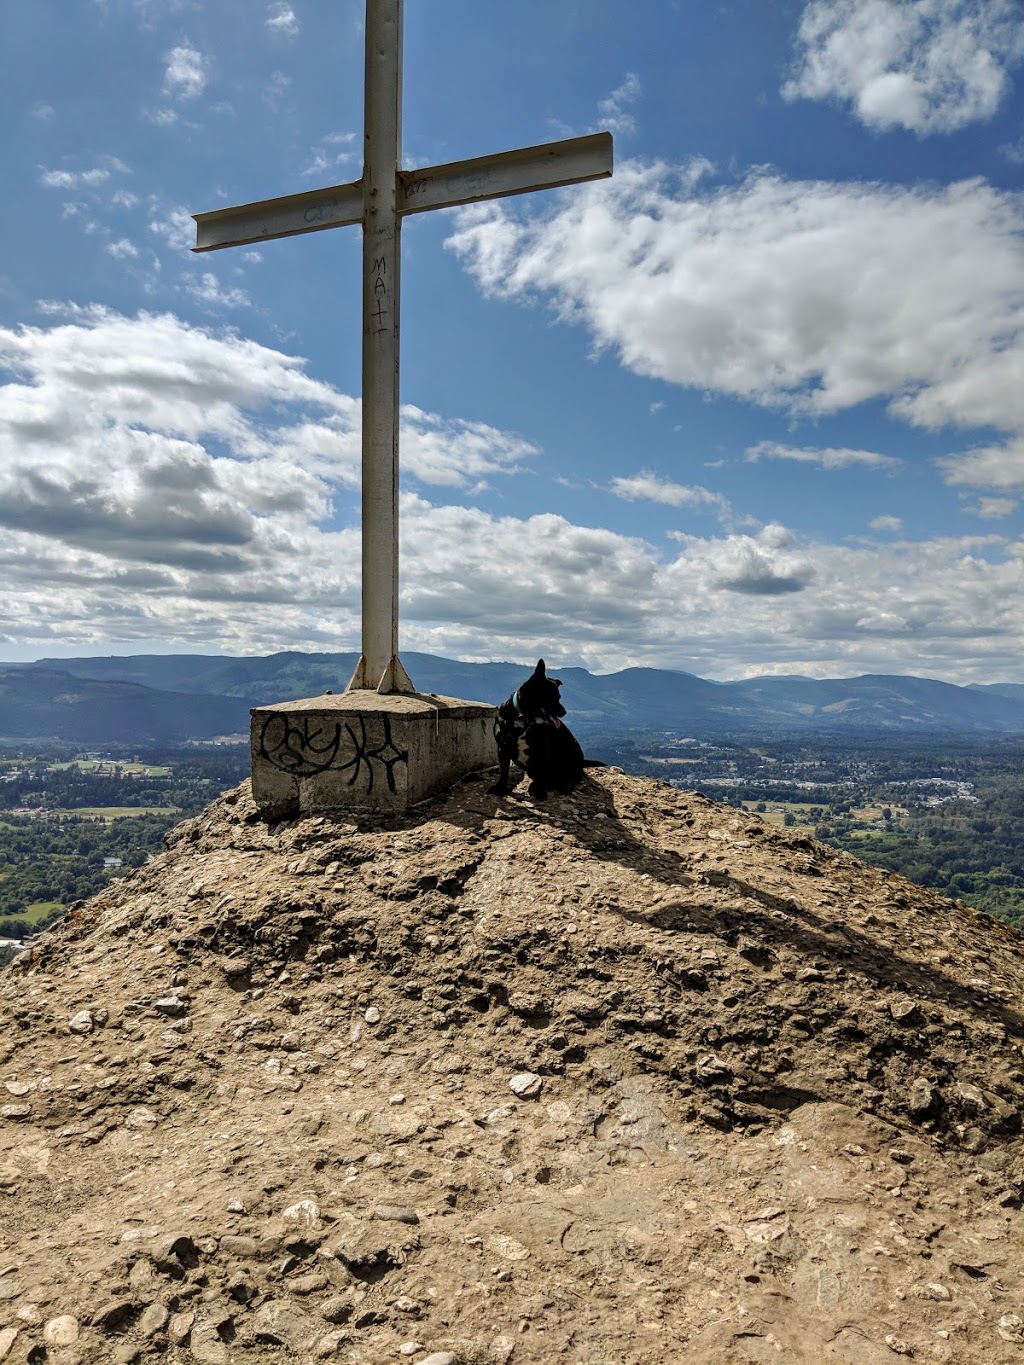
337, 1309
305, 1211
112, 1314
8, 1336
922, 1098
971, 1099
526, 1084
154, 1319
902, 1157
15, 1112
207, 1346
1011, 1328
81, 1022
903, 1010
938, 1292
439, 1358
410, 1348
18, 1088
974, 1141
372, 1015
62, 1331
170, 1004
501, 1349
236, 1206
897, 1345
396, 1099
179, 1327
395, 1213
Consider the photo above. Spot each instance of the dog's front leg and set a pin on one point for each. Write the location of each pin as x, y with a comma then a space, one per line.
501, 786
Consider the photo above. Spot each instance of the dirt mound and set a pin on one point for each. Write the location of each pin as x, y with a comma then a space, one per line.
623, 1077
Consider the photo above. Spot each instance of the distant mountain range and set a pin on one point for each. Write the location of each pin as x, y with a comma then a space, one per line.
171, 697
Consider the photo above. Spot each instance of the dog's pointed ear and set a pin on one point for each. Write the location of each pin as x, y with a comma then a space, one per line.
538, 672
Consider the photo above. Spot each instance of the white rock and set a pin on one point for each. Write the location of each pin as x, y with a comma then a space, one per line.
62, 1331
305, 1211
372, 1015
81, 1022
525, 1084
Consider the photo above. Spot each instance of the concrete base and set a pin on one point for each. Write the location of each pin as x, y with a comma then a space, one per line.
362, 751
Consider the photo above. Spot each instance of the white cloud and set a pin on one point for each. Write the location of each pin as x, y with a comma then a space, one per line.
89, 179
162, 118
209, 290
996, 466
331, 152
993, 509
282, 21
161, 481
44, 112
175, 226
186, 72
930, 66
886, 523
650, 487
615, 110
807, 296
828, 457
122, 249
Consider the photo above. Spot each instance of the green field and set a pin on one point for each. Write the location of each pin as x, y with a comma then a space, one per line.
107, 767
113, 812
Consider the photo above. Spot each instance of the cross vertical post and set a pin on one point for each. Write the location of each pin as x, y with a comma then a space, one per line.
379, 666
378, 201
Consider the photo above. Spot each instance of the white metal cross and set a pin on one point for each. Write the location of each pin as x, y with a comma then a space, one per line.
379, 200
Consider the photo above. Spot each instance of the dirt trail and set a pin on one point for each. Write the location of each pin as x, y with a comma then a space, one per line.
628, 1077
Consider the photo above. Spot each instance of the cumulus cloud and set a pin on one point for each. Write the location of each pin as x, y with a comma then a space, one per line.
767, 290
615, 111
650, 487
331, 152
993, 509
90, 178
175, 226
122, 249
929, 66
828, 457
186, 72
282, 21
212, 293
994, 466
886, 523
162, 481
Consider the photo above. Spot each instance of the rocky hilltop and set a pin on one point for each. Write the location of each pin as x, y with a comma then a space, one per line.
623, 1077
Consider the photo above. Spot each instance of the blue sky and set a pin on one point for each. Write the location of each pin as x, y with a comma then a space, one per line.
755, 405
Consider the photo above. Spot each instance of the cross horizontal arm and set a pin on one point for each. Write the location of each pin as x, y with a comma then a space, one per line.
568, 162
547, 166
291, 214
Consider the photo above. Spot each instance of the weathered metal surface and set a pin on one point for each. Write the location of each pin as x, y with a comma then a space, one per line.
569, 162
288, 216
381, 293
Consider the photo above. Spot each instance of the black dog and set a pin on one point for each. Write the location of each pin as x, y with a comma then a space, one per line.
530, 733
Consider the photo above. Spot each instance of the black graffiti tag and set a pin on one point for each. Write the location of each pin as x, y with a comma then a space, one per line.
302, 748
364, 754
